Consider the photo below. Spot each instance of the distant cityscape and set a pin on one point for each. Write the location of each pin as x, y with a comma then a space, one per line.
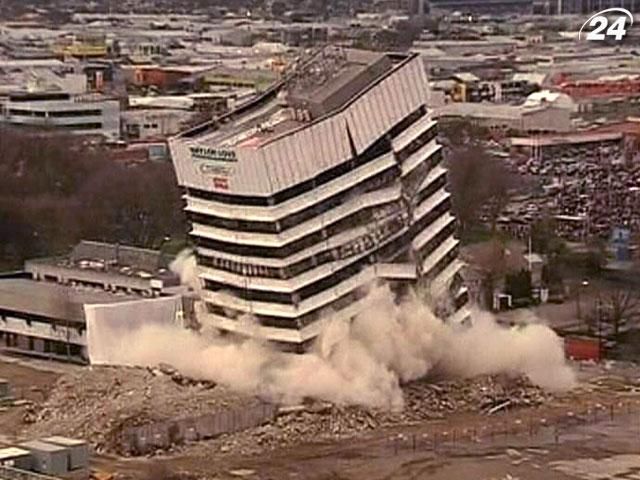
193, 190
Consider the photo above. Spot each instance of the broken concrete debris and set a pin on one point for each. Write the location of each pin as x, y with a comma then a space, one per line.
102, 402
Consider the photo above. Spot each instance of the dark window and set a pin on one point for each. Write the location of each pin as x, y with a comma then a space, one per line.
27, 113
293, 247
418, 143
75, 113
308, 291
294, 219
83, 126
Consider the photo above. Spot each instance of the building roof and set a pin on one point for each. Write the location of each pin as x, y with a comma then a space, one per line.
466, 77
52, 300
141, 258
266, 145
64, 441
13, 452
480, 110
41, 446
558, 99
324, 83
572, 138
531, 77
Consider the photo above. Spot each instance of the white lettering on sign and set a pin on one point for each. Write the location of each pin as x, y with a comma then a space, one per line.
611, 23
207, 168
215, 154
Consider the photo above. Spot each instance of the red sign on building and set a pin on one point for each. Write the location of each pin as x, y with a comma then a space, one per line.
221, 183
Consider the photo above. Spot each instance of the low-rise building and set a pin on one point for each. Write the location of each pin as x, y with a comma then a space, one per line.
42, 310
149, 124
85, 115
539, 114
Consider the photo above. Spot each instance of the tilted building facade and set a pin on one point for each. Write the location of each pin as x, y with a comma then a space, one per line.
304, 196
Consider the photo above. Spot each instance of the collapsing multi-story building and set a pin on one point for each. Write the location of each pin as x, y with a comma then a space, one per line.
302, 197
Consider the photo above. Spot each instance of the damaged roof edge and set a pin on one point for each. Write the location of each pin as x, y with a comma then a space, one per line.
212, 125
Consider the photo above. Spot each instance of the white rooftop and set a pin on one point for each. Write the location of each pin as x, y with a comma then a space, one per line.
13, 452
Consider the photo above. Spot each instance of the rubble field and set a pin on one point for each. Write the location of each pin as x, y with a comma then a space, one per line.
98, 403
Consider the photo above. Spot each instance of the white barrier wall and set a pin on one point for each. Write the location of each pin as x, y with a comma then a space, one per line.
109, 325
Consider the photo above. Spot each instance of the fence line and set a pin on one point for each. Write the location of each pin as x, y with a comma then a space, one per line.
521, 427
162, 435
9, 473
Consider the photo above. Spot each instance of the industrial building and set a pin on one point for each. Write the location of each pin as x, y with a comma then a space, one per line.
542, 112
53, 456
481, 7
564, 7
42, 310
302, 197
88, 115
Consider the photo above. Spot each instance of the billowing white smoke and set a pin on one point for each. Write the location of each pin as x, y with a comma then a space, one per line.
361, 362
186, 267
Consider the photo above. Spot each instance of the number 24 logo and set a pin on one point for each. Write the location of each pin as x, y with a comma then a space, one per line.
616, 30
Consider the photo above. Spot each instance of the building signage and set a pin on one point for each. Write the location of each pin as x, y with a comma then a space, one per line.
214, 154
210, 168
221, 183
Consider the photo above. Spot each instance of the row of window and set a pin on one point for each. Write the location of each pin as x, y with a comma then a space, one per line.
39, 345
297, 218
339, 304
55, 114
344, 273
383, 230
418, 143
30, 318
285, 251
436, 241
360, 217
295, 323
308, 263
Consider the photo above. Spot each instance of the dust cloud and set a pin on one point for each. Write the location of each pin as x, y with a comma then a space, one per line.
362, 362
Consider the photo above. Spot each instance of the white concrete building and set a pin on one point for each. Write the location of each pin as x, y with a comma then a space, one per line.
152, 124
543, 111
302, 197
86, 115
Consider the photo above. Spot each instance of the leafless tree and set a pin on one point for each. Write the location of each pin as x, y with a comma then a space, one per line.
490, 262
477, 180
616, 308
56, 189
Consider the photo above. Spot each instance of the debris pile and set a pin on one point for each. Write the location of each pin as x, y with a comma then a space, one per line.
99, 403
316, 421
483, 394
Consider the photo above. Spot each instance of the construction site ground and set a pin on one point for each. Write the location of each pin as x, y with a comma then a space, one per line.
592, 432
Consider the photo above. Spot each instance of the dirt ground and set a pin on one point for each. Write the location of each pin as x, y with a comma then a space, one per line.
601, 417
390, 455
599, 422
26, 383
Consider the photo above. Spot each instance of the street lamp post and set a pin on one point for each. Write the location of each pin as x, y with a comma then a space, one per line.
582, 286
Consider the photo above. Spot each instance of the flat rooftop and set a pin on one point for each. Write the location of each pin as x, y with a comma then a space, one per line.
11, 453
569, 139
106, 258
41, 446
312, 88
53, 300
